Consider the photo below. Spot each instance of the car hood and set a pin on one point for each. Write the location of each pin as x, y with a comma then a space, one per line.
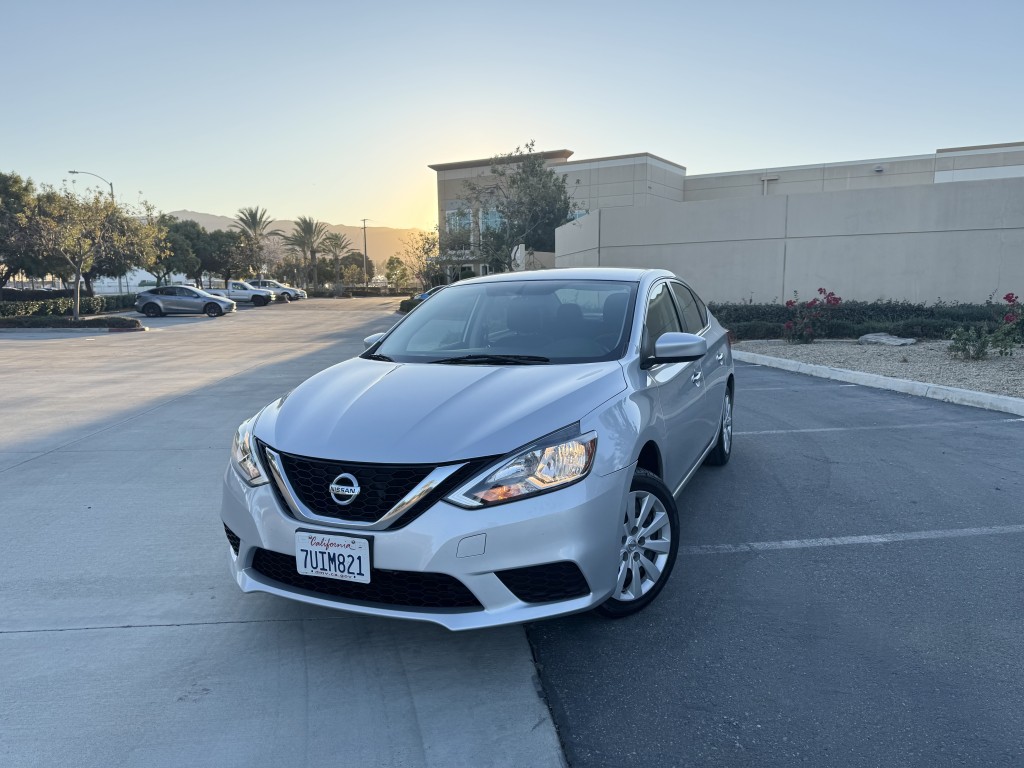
378, 412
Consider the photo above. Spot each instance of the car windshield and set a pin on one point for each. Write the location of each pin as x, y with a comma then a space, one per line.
526, 322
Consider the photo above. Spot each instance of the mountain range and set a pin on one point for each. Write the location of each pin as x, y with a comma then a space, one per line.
381, 242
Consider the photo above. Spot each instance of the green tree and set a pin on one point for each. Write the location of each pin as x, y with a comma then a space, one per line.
422, 255
72, 231
355, 259
199, 243
177, 256
352, 275
397, 273
16, 199
132, 239
523, 203
308, 237
229, 253
337, 245
254, 226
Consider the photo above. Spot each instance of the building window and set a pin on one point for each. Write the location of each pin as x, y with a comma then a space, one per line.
458, 222
490, 220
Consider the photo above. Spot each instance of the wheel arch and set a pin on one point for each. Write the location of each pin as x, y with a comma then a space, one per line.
650, 458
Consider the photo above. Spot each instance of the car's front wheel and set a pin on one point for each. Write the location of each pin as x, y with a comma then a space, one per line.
650, 540
213, 310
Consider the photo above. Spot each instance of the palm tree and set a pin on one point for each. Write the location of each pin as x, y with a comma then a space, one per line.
337, 245
254, 225
308, 237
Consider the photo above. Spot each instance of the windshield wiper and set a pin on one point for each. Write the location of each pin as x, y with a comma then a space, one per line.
496, 359
382, 358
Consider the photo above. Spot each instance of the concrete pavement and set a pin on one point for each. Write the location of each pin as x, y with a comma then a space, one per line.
123, 639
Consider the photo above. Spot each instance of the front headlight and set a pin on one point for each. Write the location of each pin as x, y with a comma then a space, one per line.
243, 453
562, 458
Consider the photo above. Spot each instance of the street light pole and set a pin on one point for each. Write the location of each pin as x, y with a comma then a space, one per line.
90, 173
112, 200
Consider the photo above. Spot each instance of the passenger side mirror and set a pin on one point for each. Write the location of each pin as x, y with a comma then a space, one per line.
675, 347
369, 341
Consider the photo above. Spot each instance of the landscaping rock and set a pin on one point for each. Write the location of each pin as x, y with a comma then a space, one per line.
885, 339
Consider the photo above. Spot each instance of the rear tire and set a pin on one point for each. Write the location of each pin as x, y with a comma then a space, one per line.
720, 454
213, 310
152, 310
650, 540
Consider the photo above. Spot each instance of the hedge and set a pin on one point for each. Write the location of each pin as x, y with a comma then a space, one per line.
852, 319
37, 321
64, 305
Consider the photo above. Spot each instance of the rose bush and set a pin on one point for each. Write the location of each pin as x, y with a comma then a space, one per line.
808, 317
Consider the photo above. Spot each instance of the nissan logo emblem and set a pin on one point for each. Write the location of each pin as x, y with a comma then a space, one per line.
344, 489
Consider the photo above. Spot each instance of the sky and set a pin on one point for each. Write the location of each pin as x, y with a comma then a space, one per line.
334, 110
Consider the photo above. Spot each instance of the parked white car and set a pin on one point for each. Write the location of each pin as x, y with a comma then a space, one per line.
279, 289
237, 290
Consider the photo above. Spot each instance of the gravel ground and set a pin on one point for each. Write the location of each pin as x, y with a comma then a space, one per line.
926, 361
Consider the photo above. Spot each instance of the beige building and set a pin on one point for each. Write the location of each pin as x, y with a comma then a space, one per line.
638, 180
947, 225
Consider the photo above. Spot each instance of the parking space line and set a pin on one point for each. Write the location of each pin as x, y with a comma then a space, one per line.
928, 425
840, 541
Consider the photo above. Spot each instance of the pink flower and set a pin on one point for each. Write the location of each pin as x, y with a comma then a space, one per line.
789, 325
812, 303
1010, 318
1010, 298
822, 291
791, 303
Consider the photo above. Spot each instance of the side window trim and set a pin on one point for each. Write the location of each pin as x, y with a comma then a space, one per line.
696, 302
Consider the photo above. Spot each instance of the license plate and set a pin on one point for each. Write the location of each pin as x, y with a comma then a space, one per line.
346, 558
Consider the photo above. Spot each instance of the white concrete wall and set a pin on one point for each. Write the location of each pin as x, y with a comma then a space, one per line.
962, 241
632, 180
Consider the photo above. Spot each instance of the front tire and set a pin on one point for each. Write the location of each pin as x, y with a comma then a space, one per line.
260, 301
650, 540
213, 310
720, 454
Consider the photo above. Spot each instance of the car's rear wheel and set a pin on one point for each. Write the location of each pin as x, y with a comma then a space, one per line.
213, 310
720, 454
151, 310
650, 540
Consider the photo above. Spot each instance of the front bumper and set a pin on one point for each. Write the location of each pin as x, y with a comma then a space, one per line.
580, 525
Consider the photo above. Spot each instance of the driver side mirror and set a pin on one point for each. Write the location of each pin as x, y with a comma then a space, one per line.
673, 347
369, 341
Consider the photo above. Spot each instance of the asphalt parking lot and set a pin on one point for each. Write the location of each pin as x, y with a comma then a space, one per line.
849, 591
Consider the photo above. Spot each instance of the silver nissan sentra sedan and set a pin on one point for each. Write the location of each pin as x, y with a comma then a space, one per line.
509, 451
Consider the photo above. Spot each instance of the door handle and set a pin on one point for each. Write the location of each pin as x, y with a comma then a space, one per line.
696, 378
720, 356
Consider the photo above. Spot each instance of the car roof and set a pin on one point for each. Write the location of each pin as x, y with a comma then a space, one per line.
574, 273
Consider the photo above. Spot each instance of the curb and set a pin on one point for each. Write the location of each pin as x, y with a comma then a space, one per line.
127, 330
1002, 403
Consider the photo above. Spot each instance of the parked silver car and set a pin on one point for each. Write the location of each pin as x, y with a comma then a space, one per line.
509, 451
181, 299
